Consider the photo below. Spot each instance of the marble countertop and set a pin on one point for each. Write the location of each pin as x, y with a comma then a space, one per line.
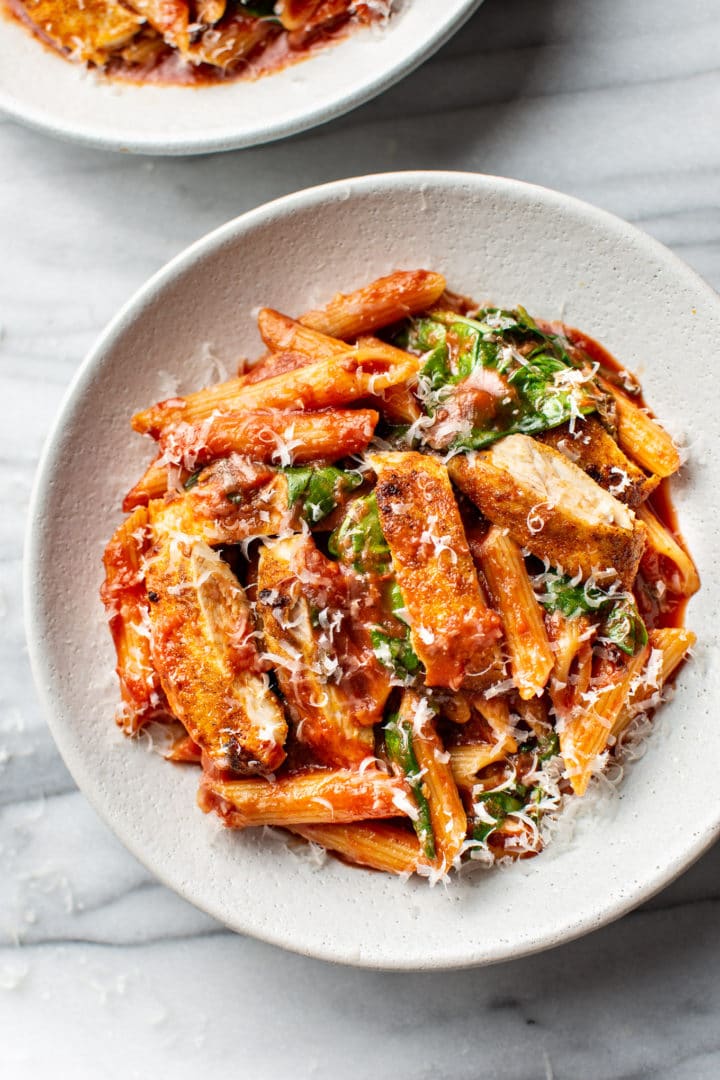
103, 972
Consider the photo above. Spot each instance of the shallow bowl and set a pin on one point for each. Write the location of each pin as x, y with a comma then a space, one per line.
492, 238
40, 88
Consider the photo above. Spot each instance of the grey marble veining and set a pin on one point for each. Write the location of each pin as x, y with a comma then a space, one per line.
103, 972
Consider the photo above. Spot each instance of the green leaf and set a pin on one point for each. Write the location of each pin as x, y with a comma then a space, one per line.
359, 540
622, 623
262, 9
625, 628
398, 736
397, 600
320, 489
298, 480
453, 346
192, 479
571, 599
498, 804
396, 653
546, 746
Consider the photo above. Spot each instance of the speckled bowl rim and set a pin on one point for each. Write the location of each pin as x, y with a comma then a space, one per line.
571, 929
256, 133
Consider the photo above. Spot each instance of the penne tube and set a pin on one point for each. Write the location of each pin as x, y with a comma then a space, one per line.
328, 383
282, 334
662, 542
295, 14
433, 784
583, 670
152, 484
567, 637
203, 647
398, 403
185, 751
272, 364
673, 643
641, 436
378, 845
277, 436
125, 598
384, 301
228, 43
169, 17
266, 435
452, 631
496, 711
209, 11
585, 735
468, 759
531, 658
316, 797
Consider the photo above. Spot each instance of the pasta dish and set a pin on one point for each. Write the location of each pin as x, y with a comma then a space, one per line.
406, 585
182, 41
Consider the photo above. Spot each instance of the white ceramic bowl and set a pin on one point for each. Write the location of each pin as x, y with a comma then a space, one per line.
492, 238
42, 89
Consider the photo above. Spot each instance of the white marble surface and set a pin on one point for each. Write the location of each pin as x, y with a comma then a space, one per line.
103, 973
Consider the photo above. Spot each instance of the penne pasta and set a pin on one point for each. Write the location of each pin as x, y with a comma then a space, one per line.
432, 782
673, 643
531, 658
398, 403
467, 759
282, 335
169, 17
228, 42
125, 598
382, 302
567, 637
316, 797
378, 845
585, 735
266, 435
662, 542
328, 383
641, 436
294, 14
496, 711
185, 751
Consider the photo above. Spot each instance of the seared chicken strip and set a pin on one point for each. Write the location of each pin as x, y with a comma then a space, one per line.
551, 507
452, 630
334, 686
204, 651
595, 451
90, 31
